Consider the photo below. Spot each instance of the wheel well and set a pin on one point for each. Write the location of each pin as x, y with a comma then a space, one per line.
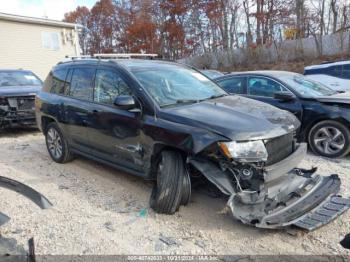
45, 121
157, 150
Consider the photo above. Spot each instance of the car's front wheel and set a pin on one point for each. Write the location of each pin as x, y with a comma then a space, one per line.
329, 138
57, 144
173, 186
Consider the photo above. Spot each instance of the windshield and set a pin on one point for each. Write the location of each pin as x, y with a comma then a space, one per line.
307, 87
18, 78
173, 84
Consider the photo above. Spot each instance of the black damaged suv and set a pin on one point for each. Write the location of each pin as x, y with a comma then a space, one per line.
167, 122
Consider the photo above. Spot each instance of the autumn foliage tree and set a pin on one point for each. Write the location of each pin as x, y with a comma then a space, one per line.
178, 28
81, 16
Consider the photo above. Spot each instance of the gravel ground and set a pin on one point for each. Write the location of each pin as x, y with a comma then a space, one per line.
99, 210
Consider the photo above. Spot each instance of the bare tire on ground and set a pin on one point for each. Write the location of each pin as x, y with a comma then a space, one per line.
57, 144
167, 194
329, 138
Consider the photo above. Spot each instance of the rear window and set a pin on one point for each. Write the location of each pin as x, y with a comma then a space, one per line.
18, 78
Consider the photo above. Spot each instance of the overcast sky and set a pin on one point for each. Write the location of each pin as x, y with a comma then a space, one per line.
52, 9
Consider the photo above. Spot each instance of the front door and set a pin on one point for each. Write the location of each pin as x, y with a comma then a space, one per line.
115, 134
263, 89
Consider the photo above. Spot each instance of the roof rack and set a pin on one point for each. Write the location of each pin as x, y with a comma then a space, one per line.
78, 57
75, 58
125, 55
106, 56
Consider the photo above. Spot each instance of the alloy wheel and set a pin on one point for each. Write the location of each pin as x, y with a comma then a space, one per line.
54, 143
329, 140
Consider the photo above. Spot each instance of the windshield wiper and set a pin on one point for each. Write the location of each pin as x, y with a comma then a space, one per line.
214, 96
182, 101
187, 101
193, 101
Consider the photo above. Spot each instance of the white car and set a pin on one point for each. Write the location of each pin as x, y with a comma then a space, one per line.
335, 75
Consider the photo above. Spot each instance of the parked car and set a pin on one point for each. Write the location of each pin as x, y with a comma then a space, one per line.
17, 95
211, 73
335, 75
169, 123
324, 113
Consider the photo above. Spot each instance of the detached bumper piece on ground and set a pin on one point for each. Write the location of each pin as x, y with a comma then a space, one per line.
24, 190
9, 246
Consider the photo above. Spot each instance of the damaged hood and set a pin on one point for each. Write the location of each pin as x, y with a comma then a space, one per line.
341, 98
19, 90
235, 117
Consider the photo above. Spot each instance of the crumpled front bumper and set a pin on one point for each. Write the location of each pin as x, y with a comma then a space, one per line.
312, 204
16, 117
289, 196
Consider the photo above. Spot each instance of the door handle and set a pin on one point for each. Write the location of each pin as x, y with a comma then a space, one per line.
95, 111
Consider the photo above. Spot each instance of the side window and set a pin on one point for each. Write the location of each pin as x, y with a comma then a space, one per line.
109, 85
260, 86
233, 85
58, 81
346, 71
81, 83
67, 82
334, 71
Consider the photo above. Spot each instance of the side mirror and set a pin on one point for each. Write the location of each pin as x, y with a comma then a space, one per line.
284, 96
125, 102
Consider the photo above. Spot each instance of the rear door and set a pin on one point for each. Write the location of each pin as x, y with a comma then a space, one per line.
263, 89
77, 106
115, 135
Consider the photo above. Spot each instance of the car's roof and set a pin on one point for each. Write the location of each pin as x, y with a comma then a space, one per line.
270, 73
210, 70
15, 70
327, 64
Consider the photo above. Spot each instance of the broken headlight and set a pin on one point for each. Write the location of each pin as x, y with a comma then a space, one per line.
249, 151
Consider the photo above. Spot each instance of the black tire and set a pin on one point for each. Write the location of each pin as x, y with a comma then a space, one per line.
186, 189
166, 196
65, 155
329, 138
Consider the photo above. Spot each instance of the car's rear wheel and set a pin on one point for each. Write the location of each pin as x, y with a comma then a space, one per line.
173, 184
329, 138
57, 144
